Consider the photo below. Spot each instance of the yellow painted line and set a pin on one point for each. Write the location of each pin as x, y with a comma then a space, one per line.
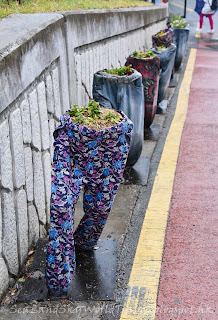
180, 6
198, 34
141, 296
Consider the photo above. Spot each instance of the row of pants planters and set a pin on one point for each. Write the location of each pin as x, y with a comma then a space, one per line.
83, 159
95, 160
138, 94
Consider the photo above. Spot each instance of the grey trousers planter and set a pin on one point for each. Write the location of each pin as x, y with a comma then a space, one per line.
124, 93
180, 40
167, 60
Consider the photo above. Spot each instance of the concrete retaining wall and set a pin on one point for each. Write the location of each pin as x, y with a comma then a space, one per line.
47, 62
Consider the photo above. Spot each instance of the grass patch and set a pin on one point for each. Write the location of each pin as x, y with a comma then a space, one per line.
33, 6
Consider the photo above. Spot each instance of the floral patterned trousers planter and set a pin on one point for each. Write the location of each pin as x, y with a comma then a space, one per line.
83, 159
163, 40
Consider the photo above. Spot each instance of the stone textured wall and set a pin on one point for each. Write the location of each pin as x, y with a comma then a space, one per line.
108, 54
47, 62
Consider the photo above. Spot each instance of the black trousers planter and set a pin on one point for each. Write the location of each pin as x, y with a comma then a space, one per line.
167, 59
180, 40
123, 93
150, 71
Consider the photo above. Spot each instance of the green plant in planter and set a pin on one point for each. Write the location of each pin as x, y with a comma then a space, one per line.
111, 117
147, 54
77, 114
93, 116
121, 71
94, 109
177, 22
75, 111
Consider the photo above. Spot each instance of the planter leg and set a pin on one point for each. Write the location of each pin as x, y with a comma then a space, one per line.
97, 203
60, 262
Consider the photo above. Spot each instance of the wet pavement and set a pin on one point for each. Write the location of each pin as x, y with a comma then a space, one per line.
157, 258
100, 263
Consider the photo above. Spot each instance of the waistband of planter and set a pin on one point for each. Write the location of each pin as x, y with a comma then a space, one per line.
167, 30
67, 123
172, 47
120, 79
146, 61
181, 30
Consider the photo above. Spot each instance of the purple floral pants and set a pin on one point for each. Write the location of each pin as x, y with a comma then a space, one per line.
83, 159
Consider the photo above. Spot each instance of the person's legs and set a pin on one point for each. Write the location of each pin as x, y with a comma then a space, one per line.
200, 23
210, 16
201, 20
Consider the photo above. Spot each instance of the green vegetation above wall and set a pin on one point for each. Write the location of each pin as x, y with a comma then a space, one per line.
33, 6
